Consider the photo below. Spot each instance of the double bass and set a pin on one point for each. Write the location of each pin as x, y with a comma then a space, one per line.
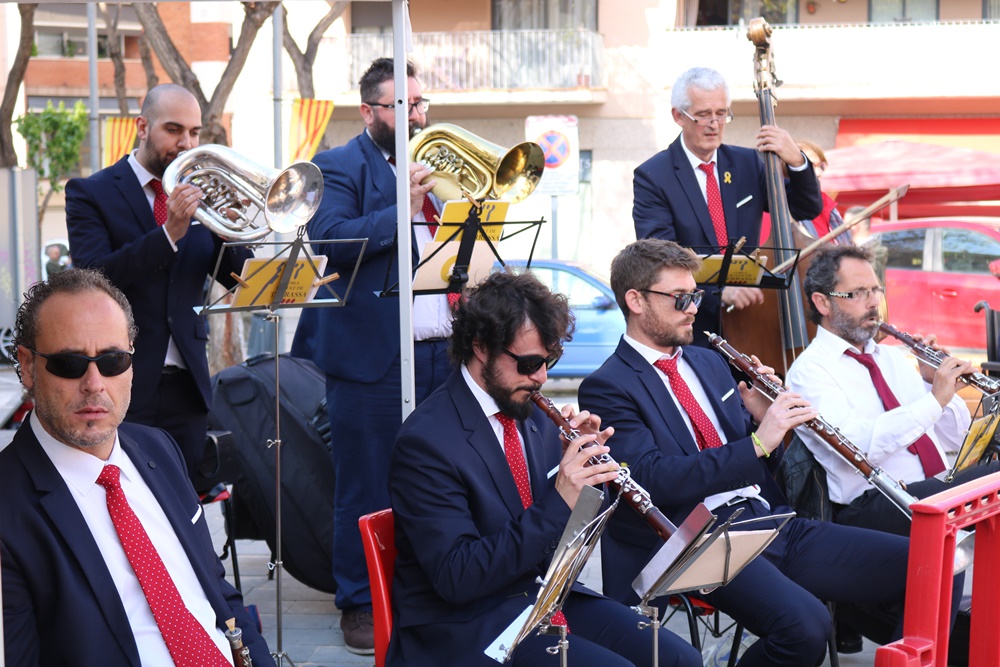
778, 328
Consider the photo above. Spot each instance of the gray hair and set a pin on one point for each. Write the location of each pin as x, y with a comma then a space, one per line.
822, 273
702, 78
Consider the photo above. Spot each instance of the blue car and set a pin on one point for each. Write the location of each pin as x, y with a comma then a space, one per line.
599, 321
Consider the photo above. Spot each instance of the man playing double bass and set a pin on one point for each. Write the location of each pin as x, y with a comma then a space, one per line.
702, 193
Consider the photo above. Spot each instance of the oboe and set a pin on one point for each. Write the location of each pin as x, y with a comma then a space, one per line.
847, 450
633, 494
933, 358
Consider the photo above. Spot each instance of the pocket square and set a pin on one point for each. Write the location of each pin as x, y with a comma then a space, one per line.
197, 515
744, 201
728, 394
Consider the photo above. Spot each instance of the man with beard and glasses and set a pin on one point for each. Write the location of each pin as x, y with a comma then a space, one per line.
358, 346
122, 222
905, 425
107, 557
482, 491
690, 434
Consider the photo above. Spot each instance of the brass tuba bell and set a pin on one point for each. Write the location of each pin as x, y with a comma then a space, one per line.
244, 201
465, 163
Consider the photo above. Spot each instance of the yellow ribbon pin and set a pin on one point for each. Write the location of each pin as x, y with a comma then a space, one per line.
727, 177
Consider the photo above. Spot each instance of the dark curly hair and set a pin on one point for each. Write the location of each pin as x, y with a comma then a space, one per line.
497, 309
71, 281
378, 73
822, 273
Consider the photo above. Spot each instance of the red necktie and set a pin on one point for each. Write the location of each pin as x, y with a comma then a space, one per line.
159, 202
705, 434
188, 642
715, 203
923, 447
519, 468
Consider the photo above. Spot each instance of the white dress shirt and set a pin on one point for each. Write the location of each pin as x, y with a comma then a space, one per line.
694, 385
80, 471
841, 390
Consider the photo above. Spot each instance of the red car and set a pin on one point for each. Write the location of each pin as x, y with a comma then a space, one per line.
937, 269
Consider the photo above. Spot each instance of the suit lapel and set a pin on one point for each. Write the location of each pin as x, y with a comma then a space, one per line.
534, 448
689, 186
383, 179
58, 503
727, 169
716, 386
658, 395
133, 194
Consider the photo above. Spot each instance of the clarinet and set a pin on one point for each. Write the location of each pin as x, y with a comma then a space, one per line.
241, 653
832, 436
933, 358
633, 494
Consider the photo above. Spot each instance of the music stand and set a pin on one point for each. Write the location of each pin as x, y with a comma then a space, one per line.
465, 234
980, 443
720, 262
578, 540
287, 259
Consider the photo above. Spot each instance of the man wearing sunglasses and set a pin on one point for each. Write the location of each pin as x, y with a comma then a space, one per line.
107, 557
358, 346
704, 194
690, 434
482, 491
122, 222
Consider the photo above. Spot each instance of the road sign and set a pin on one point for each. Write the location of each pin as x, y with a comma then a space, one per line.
559, 138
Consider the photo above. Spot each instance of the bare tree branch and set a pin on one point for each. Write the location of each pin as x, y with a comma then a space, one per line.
147, 63
304, 61
177, 68
110, 15
8, 158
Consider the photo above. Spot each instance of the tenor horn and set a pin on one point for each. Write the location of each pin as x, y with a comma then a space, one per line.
245, 201
465, 164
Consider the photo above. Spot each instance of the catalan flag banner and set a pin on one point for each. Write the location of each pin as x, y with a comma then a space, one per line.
119, 138
309, 121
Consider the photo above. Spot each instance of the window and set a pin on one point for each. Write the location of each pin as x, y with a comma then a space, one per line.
730, 12
885, 11
905, 249
544, 14
991, 9
371, 18
968, 251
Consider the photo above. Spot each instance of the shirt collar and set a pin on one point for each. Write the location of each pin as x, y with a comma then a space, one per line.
651, 355
694, 159
140, 172
837, 346
79, 469
486, 402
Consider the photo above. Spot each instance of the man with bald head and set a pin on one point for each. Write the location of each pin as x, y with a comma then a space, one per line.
121, 221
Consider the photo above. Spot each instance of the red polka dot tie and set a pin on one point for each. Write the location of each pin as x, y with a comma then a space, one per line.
715, 203
519, 468
159, 202
188, 642
705, 433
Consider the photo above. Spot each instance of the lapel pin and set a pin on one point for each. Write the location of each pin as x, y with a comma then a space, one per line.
727, 177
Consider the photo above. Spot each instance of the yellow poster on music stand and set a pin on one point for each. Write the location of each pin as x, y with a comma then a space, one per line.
455, 214
742, 270
261, 277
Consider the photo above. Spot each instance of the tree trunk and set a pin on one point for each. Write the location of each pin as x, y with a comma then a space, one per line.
110, 15
147, 63
305, 60
8, 158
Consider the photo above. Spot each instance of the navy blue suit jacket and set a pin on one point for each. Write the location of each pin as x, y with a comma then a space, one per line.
668, 204
650, 436
111, 227
60, 605
359, 341
469, 553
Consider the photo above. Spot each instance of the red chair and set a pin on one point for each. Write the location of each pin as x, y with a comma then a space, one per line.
378, 537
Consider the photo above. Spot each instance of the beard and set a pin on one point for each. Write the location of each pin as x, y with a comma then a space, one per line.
663, 335
504, 396
385, 137
155, 163
53, 417
854, 330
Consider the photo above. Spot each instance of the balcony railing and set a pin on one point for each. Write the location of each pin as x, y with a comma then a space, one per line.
509, 60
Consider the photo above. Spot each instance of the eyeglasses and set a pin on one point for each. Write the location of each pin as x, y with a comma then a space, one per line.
706, 121
529, 364
683, 300
73, 366
860, 294
421, 105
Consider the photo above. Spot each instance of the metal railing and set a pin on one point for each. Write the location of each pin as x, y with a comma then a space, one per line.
508, 60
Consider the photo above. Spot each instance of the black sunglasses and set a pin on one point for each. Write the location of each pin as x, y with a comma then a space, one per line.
683, 300
72, 366
530, 363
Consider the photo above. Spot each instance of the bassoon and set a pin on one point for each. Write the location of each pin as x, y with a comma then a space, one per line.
633, 494
933, 358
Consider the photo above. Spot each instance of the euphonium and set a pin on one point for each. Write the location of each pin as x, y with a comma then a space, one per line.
465, 163
244, 201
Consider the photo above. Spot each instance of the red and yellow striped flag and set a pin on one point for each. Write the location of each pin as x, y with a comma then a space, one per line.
119, 138
309, 121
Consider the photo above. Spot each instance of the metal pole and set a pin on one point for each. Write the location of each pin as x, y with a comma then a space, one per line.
95, 128
403, 217
278, 21
554, 206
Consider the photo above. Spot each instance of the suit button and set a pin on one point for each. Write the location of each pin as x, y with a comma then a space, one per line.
548, 550
170, 320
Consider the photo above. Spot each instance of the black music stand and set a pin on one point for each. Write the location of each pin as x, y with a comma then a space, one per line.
734, 251
578, 540
280, 269
472, 229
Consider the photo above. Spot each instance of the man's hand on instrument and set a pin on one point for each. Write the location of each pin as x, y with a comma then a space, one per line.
776, 140
418, 173
945, 381
788, 411
587, 423
927, 371
181, 206
757, 403
739, 298
574, 473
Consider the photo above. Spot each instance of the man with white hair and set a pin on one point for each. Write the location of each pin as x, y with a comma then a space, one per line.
703, 194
